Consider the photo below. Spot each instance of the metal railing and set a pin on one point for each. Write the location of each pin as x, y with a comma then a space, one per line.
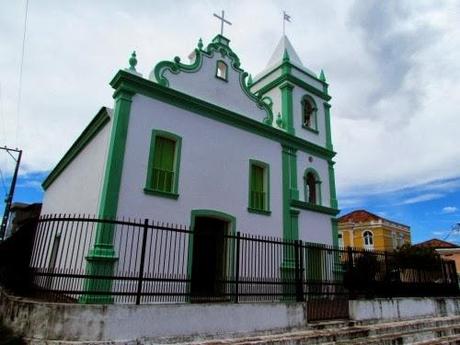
74, 259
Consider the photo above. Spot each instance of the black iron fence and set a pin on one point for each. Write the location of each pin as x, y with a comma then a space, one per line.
89, 260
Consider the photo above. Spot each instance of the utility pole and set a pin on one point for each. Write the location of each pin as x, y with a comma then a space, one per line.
9, 198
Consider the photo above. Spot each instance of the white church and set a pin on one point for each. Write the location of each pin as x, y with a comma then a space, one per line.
205, 144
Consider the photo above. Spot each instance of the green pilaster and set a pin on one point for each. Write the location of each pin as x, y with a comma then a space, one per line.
290, 216
335, 232
102, 257
286, 106
333, 194
327, 115
286, 193
338, 268
294, 192
294, 223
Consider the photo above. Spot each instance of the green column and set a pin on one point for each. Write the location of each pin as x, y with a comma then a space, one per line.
102, 257
290, 191
333, 195
290, 216
287, 106
327, 114
286, 193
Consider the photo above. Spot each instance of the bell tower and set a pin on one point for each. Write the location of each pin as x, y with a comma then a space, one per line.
301, 108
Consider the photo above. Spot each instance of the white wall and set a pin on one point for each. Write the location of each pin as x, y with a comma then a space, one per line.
315, 227
267, 80
227, 94
306, 78
77, 189
214, 168
134, 324
385, 309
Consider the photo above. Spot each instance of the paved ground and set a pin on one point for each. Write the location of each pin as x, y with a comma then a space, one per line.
7, 337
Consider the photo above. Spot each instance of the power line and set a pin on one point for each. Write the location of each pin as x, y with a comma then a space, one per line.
20, 70
455, 228
2, 116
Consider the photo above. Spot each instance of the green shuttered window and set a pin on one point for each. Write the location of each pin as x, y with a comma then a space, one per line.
258, 187
163, 166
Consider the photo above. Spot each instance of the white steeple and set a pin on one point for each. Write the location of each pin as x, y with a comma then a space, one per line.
284, 47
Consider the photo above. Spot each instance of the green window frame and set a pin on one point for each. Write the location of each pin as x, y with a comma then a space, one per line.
221, 70
164, 164
309, 103
259, 187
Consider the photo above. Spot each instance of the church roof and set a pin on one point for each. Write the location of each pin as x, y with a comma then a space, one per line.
436, 243
284, 47
362, 216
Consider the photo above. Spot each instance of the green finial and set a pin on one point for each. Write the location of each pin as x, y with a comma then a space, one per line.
279, 121
285, 56
322, 77
250, 80
133, 62
200, 44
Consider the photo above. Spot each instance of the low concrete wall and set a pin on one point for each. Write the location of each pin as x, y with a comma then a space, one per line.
43, 321
119, 323
403, 308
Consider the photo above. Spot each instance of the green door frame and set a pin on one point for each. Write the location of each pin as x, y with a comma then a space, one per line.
231, 220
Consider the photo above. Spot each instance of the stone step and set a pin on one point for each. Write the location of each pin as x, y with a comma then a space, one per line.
409, 332
402, 332
448, 340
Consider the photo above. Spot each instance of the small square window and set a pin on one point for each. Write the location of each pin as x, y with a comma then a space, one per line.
221, 70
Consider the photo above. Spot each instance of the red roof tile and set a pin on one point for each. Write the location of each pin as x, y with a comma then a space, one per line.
359, 216
436, 243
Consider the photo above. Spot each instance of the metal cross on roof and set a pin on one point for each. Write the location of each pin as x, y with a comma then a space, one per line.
286, 18
222, 21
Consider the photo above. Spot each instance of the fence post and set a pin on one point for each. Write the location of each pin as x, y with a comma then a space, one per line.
298, 275
141, 266
454, 276
237, 267
351, 277
301, 270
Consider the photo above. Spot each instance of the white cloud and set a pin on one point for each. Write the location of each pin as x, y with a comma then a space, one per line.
393, 70
422, 198
449, 209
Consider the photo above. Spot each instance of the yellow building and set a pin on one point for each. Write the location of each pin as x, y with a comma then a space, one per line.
362, 229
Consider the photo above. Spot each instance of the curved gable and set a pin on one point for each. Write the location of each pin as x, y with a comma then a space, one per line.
201, 80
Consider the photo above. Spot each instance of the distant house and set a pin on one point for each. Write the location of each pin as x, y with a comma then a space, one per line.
447, 250
363, 229
20, 214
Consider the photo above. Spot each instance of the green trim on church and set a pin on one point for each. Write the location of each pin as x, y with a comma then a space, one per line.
101, 258
255, 203
132, 83
219, 44
211, 214
152, 187
88, 134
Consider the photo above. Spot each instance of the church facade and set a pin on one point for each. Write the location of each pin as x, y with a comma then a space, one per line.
206, 141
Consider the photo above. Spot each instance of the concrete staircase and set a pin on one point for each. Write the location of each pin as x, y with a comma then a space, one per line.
429, 331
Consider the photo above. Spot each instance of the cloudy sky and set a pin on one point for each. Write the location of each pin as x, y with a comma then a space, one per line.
393, 68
